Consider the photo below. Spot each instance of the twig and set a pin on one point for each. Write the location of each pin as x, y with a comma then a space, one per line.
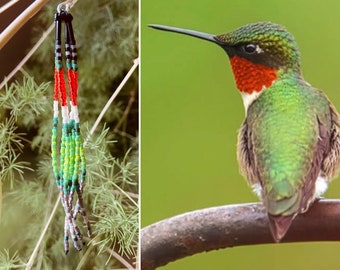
84, 258
28, 56
229, 226
124, 134
119, 189
27, 14
35, 251
47, 212
115, 255
112, 98
119, 258
132, 195
126, 111
7, 5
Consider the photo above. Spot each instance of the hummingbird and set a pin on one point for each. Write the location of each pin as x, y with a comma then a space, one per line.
289, 142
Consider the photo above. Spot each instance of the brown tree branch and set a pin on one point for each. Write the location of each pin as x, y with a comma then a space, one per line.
229, 226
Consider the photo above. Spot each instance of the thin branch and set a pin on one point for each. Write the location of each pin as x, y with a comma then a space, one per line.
47, 213
27, 56
119, 258
132, 195
116, 256
126, 111
14, 27
36, 248
7, 5
112, 98
84, 258
229, 226
124, 134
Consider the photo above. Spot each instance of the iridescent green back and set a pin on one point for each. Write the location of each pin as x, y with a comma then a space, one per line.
285, 130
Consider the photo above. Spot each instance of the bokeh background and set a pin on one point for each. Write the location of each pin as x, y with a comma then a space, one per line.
191, 111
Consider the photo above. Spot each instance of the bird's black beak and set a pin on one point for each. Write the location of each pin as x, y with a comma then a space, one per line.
192, 33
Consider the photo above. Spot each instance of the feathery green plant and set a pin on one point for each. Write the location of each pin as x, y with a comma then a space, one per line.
10, 262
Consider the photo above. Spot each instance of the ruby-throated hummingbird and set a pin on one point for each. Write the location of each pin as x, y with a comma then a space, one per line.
289, 143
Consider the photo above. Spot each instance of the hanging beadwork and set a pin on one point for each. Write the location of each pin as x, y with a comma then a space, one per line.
69, 166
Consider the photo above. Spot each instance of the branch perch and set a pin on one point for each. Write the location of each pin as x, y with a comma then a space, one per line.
229, 226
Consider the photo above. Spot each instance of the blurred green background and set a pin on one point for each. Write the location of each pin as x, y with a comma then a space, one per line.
191, 111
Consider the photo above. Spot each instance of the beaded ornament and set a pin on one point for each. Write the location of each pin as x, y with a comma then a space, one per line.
69, 168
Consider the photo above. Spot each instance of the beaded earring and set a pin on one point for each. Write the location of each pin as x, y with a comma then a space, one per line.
68, 163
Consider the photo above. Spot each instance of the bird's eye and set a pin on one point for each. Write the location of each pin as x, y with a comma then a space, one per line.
250, 48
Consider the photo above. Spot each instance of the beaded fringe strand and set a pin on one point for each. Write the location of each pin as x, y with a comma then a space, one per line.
70, 168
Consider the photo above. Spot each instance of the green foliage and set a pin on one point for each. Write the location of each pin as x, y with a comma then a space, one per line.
113, 184
8, 262
107, 40
10, 147
18, 104
20, 99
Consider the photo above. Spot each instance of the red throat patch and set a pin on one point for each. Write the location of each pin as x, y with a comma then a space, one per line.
251, 77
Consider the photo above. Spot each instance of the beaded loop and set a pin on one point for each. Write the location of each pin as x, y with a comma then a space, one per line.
70, 168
